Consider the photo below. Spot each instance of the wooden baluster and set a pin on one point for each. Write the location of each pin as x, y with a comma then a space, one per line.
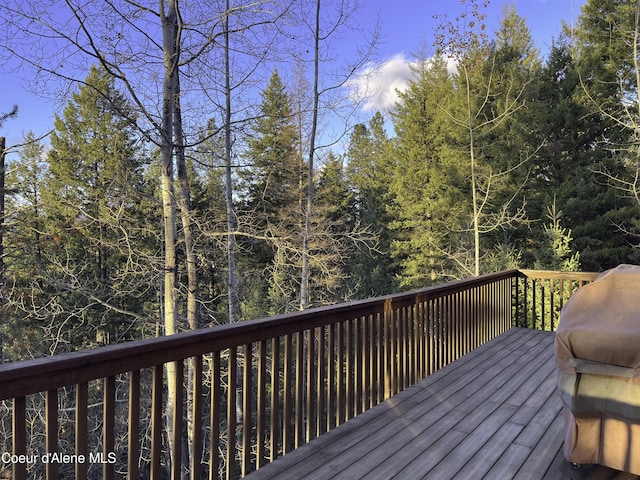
19, 440
287, 439
348, 381
380, 365
275, 399
357, 361
216, 405
331, 377
82, 400
156, 423
196, 418
373, 360
247, 408
310, 385
320, 381
134, 425
108, 427
454, 327
262, 404
366, 383
387, 354
178, 412
51, 433
340, 376
299, 390
231, 413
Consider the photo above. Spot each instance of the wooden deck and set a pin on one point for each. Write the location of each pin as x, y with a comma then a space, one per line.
493, 414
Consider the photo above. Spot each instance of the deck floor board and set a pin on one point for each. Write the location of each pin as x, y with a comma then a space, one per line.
494, 413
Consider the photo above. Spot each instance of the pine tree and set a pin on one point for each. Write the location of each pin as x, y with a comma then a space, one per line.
508, 145
94, 212
370, 170
487, 134
25, 250
606, 45
272, 189
334, 232
604, 40
428, 187
273, 182
566, 168
557, 253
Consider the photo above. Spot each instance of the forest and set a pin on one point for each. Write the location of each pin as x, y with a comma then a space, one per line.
137, 219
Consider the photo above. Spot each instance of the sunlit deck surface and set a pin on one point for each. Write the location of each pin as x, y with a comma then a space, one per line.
493, 414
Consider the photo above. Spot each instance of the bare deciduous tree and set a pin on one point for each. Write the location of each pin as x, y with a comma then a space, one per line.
323, 27
490, 97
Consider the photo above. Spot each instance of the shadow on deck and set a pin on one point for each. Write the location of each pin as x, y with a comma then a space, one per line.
494, 413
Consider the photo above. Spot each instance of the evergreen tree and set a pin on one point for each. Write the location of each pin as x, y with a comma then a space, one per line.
509, 145
468, 134
428, 184
489, 133
566, 168
333, 226
605, 35
370, 170
556, 253
606, 43
99, 265
272, 189
24, 181
25, 252
273, 182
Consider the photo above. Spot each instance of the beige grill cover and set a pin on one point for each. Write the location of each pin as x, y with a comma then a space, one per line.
598, 355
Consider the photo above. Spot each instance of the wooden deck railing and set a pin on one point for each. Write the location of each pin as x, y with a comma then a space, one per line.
250, 392
541, 295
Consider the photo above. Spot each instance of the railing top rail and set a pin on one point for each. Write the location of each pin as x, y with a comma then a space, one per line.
555, 275
46, 373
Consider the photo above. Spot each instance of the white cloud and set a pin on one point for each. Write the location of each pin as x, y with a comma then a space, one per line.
377, 85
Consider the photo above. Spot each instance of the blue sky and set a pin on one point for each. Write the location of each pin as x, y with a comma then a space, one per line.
406, 25
409, 24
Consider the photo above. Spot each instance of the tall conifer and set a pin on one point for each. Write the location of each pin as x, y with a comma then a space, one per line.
93, 206
272, 187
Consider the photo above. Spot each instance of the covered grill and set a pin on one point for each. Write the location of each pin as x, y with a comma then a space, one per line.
598, 356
